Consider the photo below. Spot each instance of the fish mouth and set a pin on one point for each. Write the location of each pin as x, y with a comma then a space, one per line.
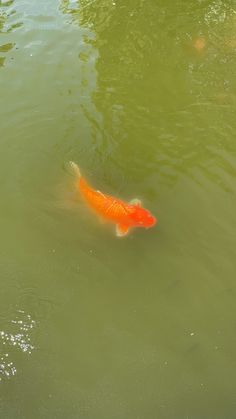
154, 222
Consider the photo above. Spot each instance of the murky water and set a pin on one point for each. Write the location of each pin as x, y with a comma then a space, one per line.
142, 95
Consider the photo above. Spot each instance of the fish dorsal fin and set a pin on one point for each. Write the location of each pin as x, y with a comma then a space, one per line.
136, 202
121, 230
100, 193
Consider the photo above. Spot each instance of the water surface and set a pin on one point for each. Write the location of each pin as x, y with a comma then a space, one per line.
91, 326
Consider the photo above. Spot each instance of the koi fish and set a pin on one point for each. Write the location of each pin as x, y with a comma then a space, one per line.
124, 215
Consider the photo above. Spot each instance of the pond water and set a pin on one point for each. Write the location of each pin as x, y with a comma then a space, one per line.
142, 95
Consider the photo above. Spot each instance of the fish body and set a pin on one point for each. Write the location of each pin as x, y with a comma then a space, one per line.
124, 215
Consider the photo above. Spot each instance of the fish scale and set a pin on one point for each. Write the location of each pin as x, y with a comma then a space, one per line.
99, 201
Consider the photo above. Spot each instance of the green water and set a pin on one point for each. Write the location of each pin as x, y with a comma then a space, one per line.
91, 326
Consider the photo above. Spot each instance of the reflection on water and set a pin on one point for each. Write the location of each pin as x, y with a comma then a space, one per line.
8, 23
16, 338
132, 43
219, 12
7, 20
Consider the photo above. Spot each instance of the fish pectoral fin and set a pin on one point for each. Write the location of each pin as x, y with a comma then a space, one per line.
136, 202
121, 230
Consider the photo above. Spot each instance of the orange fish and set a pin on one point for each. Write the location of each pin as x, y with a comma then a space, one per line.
124, 215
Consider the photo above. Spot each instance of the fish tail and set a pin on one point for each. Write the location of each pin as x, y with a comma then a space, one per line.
74, 169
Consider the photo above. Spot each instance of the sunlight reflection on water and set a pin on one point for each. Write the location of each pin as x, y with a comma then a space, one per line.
18, 336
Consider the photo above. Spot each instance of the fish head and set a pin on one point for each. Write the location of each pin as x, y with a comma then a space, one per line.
142, 217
